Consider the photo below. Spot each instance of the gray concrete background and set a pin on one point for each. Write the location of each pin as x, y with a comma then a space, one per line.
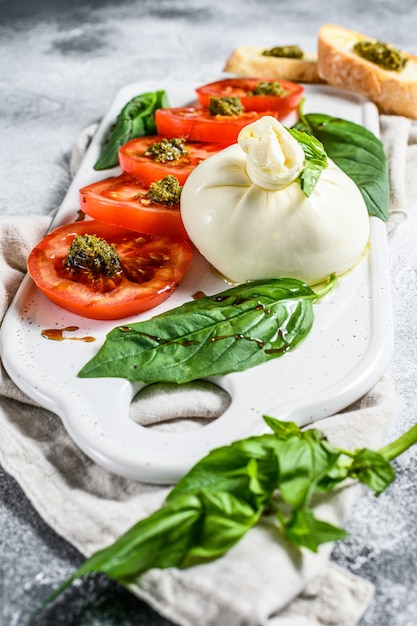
60, 65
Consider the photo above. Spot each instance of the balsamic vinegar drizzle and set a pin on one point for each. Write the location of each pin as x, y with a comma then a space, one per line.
198, 295
57, 334
238, 336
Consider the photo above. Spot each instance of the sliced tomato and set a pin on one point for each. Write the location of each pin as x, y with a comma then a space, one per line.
121, 200
133, 160
240, 87
197, 124
152, 269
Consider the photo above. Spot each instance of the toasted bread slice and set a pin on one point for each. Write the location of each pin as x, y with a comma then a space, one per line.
249, 61
393, 91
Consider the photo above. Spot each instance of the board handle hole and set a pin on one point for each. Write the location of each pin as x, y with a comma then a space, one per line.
172, 407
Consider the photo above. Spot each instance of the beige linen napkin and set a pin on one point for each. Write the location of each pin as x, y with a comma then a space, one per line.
261, 581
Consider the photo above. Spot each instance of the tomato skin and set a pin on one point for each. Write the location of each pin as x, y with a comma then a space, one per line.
117, 200
130, 297
239, 87
196, 124
133, 161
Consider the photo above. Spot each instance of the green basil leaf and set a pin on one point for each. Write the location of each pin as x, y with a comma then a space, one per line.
136, 119
226, 520
229, 332
337, 474
316, 159
282, 430
372, 469
304, 529
162, 539
358, 152
201, 525
303, 462
248, 469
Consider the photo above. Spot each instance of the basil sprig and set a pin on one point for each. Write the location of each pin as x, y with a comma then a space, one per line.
358, 152
231, 331
315, 160
136, 119
274, 476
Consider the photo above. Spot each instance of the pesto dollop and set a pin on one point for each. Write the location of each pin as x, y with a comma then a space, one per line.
93, 255
268, 88
166, 191
382, 54
290, 52
167, 150
229, 105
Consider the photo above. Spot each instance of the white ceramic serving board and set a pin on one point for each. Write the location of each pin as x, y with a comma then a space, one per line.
342, 358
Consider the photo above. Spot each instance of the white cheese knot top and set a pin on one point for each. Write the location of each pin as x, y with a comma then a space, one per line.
274, 158
244, 210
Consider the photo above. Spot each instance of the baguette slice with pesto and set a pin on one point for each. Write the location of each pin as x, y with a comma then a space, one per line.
382, 73
263, 62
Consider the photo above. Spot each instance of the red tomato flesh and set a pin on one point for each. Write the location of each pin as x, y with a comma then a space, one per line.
121, 200
133, 160
239, 87
153, 268
196, 124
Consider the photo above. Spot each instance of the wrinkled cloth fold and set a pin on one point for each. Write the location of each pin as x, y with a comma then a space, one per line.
262, 581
